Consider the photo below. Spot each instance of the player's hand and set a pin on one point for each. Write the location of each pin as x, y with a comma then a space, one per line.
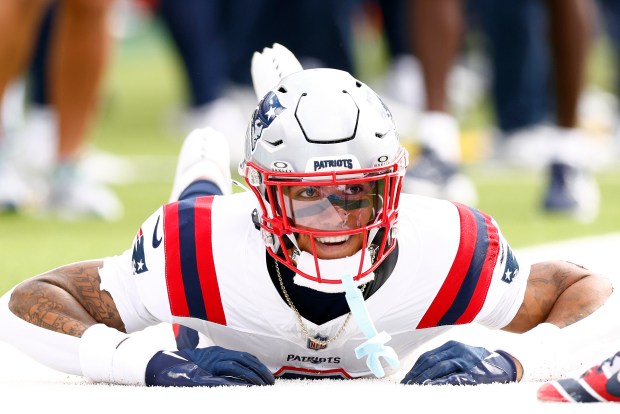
460, 364
206, 367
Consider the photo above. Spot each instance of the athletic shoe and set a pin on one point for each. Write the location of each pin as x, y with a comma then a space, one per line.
599, 384
572, 190
73, 196
530, 147
433, 177
35, 144
204, 155
270, 66
436, 171
403, 83
108, 168
12, 107
15, 192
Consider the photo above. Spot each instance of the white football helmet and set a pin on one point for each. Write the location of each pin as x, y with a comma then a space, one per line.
325, 163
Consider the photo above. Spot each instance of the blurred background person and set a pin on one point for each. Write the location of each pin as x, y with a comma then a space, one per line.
215, 40
537, 89
73, 52
514, 32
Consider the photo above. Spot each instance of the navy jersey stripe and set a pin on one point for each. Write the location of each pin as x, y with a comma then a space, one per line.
466, 292
466, 285
189, 265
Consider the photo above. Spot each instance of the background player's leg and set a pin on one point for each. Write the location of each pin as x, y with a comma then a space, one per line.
436, 36
571, 187
19, 23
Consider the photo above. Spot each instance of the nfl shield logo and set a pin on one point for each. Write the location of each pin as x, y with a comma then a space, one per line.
316, 346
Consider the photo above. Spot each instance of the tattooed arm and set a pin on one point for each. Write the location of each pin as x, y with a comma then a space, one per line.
64, 320
560, 293
66, 300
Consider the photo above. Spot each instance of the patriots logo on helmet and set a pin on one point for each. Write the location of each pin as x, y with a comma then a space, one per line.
137, 258
268, 110
387, 113
382, 108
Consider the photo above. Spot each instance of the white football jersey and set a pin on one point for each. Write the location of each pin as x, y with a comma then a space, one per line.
202, 263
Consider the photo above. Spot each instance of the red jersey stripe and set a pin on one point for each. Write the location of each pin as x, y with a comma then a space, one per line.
450, 288
486, 274
174, 276
206, 266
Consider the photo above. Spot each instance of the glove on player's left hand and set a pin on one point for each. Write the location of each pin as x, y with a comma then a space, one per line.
457, 363
206, 367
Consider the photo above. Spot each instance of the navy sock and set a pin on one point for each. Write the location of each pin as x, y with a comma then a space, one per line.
200, 188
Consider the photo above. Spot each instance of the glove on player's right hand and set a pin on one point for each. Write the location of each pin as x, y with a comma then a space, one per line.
460, 364
206, 367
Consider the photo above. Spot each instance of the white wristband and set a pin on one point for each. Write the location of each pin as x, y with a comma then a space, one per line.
108, 355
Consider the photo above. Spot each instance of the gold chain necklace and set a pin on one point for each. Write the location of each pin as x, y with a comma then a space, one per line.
300, 321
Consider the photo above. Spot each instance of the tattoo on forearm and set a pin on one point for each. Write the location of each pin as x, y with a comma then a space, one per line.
50, 315
67, 300
97, 303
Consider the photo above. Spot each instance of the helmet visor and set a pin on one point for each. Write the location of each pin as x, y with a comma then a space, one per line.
346, 206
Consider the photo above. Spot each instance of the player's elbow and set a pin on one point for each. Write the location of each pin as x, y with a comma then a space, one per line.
586, 293
560, 293
600, 288
28, 298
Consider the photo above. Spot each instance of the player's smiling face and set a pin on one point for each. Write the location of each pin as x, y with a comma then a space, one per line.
334, 209
334, 247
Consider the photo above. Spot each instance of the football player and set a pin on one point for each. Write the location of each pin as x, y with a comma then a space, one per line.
322, 268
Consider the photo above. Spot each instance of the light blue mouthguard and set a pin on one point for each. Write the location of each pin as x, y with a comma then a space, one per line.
374, 348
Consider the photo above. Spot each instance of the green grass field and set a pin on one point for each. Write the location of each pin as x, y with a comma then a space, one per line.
144, 83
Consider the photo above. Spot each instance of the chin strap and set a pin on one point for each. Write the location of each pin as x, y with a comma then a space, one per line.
374, 348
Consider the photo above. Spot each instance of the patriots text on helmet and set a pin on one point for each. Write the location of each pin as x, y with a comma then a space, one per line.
338, 163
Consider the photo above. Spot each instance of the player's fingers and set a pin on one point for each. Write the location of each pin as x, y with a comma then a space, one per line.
237, 370
455, 379
425, 362
252, 362
215, 381
451, 357
439, 370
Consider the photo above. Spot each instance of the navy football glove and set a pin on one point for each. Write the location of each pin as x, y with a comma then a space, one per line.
206, 367
459, 364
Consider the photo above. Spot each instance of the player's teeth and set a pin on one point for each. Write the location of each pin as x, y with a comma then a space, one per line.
332, 239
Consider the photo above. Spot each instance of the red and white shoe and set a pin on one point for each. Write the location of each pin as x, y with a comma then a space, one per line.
600, 383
